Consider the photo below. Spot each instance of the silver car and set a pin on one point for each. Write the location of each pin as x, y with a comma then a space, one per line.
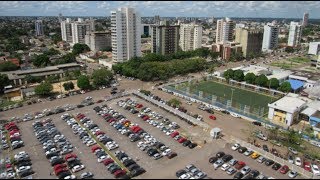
218, 163
231, 171
292, 174
245, 170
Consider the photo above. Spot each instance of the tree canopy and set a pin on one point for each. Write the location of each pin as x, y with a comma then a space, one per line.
250, 78
285, 87
4, 81
238, 75
8, 66
228, 74
102, 77
44, 89
80, 48
262, 80
68, 86
83, 82
274, 83
41, 60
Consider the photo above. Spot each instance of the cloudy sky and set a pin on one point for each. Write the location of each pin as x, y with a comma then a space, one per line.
273, 9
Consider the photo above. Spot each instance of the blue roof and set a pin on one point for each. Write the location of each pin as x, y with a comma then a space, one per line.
296, 84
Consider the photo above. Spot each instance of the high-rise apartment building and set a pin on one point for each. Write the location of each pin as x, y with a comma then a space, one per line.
251, 41
164, 38
39, 27
305, 19
79, 30
224, 32
60, 18
270, 37
66, 30
125, 34
98, 41
157, 20
294, 34
190, 37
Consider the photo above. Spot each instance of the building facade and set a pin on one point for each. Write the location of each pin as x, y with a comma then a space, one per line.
294, 37
251, 41
164, 38
314, 48
39, 28
190, 37
146, 29
305, 19
66, 30
125, 34
80, 29
270, 37
226, 49
98, 41
224, 31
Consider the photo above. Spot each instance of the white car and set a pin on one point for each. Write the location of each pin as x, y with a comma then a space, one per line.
166, 152
91, 142
70, 177
185, 176
297, 161
102, 158
235, 146
293, 150
23, 168
78, 168
234, 115
112, 145
21, 153
315, 170
10, 175
225, 166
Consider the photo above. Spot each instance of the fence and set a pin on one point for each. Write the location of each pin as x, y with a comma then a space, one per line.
274, 158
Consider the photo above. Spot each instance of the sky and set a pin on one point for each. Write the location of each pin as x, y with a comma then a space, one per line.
263, 9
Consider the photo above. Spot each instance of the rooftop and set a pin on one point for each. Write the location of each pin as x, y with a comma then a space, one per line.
316, 114
295, 84
288, 104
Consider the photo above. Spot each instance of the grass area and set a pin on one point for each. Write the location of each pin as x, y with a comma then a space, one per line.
299, 60
6, 103
283, 65
240, 96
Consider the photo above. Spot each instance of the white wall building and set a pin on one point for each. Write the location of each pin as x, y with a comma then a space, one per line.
314, 48
80, 29
305, 19
39, 27
190, 37
294, 34
98, 41
66, 30
125, 34
270, 37
224, 31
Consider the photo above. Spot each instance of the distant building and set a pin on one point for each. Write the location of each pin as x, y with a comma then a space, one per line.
80, 29
314, 48
125, 34
39, 28
294, 34
224, 30
240, 25
164, 38
98, 41
157, 20
226, 49
270, 37
251, 41
15, 61
146, 29
305, 19
190, 37
60, 18
66, 30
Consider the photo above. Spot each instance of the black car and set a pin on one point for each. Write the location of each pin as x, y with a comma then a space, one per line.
57, 161
180, 172
238, 175
26, 173
186, 143
257, 123
249, 176
269, 162
23, 163
276, 166
192, 145
227, 158
265, 148
137, 172
225, 112
213, 159
80, 106
128, 162
152, 152
254, 173
133, 166
220, 154
242, 149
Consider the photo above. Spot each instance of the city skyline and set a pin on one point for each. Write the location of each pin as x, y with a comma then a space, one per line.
254, 9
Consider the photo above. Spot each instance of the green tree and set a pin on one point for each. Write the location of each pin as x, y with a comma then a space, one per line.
250, 78
262, 80
68, 86
289, 49
285, 87
56, 38
228, 74
211, 69
83, 82
53, 78
41, 61
32, 79
68, 58
8, 66
51, 52
101, 77
4, 81
273, 83
80, 48
238, 75
44, 89
174, 102
76, 73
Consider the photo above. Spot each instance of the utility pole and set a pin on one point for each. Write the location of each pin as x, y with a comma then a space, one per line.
232, 95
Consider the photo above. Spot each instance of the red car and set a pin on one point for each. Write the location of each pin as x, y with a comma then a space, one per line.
13, 132
137, 129
181, 140
59, 166
79, 115
284, 169
68, 156
60, 170
307, 166
119, 173
99, 101
212, 117
139, 106
111, 120
107, 161
240, 165
95, 147
98, 133
174, 134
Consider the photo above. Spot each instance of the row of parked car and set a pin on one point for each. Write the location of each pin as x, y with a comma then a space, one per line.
191, 172
14, 136
149, 144
166, 126
110, 144
55, 145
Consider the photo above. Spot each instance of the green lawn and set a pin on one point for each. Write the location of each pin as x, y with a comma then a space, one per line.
240, 96
299, 60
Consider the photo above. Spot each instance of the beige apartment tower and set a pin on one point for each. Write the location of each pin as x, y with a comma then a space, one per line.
190, 37
251, 40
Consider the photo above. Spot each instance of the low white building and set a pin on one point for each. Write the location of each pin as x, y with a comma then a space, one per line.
286, 110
